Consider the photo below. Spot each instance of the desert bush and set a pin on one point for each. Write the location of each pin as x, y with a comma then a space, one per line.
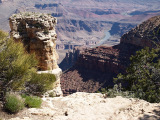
40, 83
117, 90
13, 102
52, 94
32, 101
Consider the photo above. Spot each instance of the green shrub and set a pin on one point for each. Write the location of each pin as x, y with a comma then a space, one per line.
116, 91
52, 94
13, 103
32, 101
40, 83
16, 66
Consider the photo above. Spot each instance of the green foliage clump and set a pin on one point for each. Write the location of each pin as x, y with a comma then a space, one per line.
143, 75
13, 103
16, 65
42, 82
32, 101
51, 94
117, 90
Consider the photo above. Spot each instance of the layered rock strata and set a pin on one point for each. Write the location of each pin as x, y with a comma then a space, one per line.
96, 67
145, 34
37, 32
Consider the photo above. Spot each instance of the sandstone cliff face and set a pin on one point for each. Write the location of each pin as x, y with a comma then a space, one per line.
96, 67
37, 32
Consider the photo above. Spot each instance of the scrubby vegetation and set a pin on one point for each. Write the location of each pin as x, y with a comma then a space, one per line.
16, 66
19, 72
142, 77
32, 101
13, 102
40, 85
117, 90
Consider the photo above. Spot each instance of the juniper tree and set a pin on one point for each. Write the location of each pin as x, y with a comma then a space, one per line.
143, 75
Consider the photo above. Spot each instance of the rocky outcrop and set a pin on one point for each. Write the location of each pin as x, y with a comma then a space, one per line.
96, 67
145, 34
37, 32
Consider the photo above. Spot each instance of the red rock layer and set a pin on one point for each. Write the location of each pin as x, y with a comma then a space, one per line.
96, 67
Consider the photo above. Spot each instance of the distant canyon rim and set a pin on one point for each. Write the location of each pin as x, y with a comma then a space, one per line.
84, 23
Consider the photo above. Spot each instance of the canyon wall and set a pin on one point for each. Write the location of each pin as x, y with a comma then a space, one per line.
71, 57
96, 67
145, 34
121, 28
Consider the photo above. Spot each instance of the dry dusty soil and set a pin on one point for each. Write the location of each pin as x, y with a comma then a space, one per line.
89, 106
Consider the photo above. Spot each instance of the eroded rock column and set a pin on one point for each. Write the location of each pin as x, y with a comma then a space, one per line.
37, 32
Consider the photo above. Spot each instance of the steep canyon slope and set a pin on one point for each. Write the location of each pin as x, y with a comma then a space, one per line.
96, 67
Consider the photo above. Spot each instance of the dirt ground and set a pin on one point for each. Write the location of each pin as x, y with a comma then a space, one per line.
89, 106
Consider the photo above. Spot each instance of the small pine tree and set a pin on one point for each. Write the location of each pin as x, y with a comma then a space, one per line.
18, 67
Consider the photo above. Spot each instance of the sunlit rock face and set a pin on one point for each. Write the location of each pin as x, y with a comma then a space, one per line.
37, 32
146, 34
